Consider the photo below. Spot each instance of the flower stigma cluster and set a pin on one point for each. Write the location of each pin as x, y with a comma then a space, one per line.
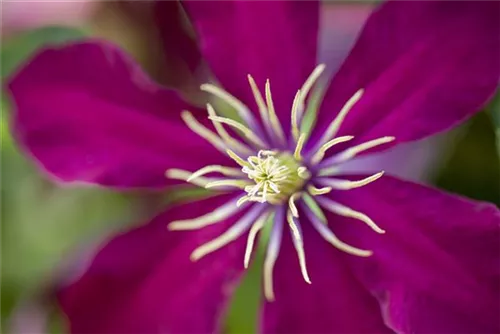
275, 176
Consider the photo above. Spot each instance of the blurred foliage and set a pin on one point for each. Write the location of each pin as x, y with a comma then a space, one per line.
41, 222
18, 49
494, 110
472, 167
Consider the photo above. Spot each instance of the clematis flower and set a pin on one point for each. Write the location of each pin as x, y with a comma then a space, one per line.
345, 253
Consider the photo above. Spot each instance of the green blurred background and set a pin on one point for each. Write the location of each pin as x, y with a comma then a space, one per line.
44, 226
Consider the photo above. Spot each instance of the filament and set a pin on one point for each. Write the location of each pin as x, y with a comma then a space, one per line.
220, 213
230, 235
298, 243
256, 227
347, 184
345, 211
334, 126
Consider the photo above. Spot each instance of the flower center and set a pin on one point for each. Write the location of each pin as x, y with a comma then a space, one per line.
277, 176
275, 186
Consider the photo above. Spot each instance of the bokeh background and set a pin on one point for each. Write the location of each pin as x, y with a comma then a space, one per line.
48, 230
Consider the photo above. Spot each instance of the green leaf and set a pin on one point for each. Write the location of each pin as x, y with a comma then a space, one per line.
18, 48
494, 110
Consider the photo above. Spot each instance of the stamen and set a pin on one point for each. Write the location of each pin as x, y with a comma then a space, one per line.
295, 116
347, 184
345, 211
243, 129
319, 155
202, 131
275, 123
273, 249
355, 150
184, 175
299, 245
226, 137
335, 125
311, 80
306, 87
228, 183
256, 227
328, 235
291, 204
242, 200
318, 191
220, 213
264, 115
239, 106
298, 149
230, 235
237, 158
227, 171
314, 207
329, 171
303, 173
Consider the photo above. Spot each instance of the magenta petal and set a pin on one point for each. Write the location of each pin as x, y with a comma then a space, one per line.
274, 40
334, 303
341, 24
424, 65
437, 267
88, 113
144, 282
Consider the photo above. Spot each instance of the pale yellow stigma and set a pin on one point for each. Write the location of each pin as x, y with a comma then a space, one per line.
275, 177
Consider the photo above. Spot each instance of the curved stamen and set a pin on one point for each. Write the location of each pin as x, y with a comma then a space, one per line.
298, 149
314, 207
298, 242
303, 92
226, 171
318, 191
319, 155
264, 114
237, 158
235, 231
275, 123
303, 173
256, 227
295, 116
184, 175
345, 211
329, 236
273, 249
334, 126
242, 110
228, 183
291, 204
329, 171
347, 184
222, 212
202, 131
226, 137
355, 150
252, 137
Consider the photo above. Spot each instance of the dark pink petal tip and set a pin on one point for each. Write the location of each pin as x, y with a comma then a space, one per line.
87, 112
